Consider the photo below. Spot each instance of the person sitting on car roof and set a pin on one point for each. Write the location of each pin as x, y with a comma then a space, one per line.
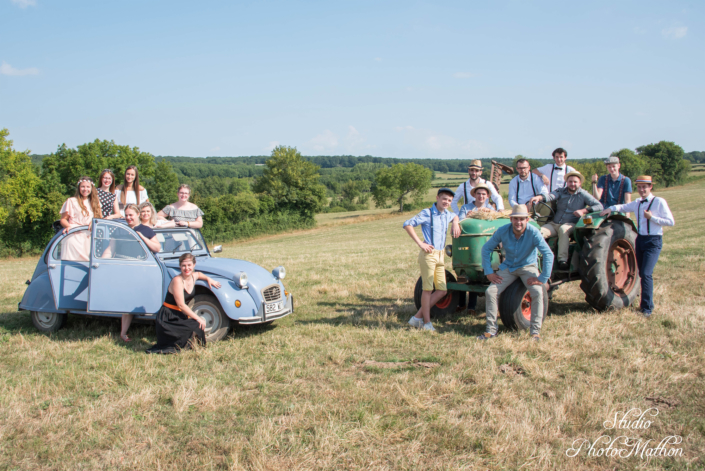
571, 202
182, 213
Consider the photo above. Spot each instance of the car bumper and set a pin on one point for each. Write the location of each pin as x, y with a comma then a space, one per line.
261, 317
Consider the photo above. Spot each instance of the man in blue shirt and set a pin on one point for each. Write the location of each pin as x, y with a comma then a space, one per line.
614, 188
434, 224
520, 242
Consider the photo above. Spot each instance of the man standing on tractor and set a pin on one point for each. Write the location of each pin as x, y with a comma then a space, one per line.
613, 188
465, 189
652, 214
525, 186
481, 201
571, 202
520, 242
553, 175
434, 224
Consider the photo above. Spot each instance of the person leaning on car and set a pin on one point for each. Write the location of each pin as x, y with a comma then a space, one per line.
571, 202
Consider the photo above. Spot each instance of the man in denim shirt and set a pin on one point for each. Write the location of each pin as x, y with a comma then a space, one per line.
520, 242
572, 203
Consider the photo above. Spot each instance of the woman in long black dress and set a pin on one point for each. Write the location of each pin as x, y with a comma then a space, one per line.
178, 327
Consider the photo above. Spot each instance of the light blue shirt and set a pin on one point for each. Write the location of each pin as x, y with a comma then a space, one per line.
519, 252
467, 208
532, 186
441, 221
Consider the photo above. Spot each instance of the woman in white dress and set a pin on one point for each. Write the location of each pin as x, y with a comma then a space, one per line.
79, 210
130, 192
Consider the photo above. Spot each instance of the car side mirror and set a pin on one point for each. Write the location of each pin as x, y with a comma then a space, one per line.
217, 249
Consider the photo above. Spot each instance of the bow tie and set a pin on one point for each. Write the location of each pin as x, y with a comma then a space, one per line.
557, 168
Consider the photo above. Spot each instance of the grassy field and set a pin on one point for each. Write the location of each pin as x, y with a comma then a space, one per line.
344, 384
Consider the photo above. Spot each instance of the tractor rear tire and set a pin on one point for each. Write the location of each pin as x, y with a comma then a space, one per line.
608, 270
446, 305
515, 306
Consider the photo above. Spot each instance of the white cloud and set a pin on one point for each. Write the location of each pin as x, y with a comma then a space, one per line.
270, 147
215, 149
464, 75
24, 3
440, 145
7, 69
324, 141
378, 59
676, 32
639, 30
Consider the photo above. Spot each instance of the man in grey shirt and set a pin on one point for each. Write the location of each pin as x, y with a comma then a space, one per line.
571, 202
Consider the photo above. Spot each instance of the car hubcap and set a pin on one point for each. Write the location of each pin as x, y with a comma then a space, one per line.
46, 319
210, 315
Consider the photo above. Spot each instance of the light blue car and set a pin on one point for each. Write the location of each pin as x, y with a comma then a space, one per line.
77, 274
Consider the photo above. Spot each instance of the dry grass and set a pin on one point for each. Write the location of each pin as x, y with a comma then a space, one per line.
344, 384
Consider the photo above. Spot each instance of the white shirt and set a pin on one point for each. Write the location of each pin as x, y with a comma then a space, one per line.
556, 175
660, 214
467, 187
130, 198
532, 186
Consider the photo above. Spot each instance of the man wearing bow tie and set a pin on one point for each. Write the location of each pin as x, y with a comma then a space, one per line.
652, 214
553, 175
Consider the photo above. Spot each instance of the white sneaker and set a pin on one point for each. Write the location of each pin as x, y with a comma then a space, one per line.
429, 326
416, 322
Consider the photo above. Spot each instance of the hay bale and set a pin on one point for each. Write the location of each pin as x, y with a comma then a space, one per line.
488, 214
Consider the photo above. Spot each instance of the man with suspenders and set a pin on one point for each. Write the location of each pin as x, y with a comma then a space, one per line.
553, 175
613, 188
434, 224
465, 189
525, 186
652, 214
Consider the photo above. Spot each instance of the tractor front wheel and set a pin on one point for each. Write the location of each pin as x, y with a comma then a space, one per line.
515, 306
610, 278
446, 305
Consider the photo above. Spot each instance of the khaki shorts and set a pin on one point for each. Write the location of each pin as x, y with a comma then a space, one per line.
433, 270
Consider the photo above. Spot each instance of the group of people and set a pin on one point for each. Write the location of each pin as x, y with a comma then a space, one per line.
177, 325
521, 242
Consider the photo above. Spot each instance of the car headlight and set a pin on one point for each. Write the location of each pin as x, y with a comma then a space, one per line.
279, 273
241, 279
449, 250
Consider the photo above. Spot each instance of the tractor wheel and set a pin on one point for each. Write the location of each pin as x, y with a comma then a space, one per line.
610, 278
446, 305
515, 306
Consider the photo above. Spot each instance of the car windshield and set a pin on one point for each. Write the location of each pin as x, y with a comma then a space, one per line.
174, 242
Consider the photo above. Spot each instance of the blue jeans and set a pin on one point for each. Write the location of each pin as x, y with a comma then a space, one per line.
472, 297
648, 249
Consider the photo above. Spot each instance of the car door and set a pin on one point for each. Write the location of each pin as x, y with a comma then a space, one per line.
67, 263
124, 275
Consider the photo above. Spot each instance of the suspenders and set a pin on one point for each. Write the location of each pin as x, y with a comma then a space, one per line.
531, 177
465, 190
446, 235
550, 183
603, 198
648, 221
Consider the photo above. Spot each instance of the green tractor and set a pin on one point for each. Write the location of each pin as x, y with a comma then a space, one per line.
602, 258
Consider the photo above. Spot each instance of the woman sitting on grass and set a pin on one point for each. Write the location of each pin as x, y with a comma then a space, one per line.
178, 327
182, 213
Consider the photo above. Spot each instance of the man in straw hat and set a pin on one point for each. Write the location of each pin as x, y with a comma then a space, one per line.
613, 188
465, 189
520, 242
652, 214
554, 175
571, 202
434, 224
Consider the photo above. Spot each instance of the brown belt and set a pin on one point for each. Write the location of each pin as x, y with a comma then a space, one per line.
171, 306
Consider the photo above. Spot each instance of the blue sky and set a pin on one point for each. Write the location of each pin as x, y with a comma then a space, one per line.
394, 79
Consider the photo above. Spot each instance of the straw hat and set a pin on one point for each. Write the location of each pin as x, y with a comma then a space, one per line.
519, 211
480, 186
475, 164
644, 179
574, 174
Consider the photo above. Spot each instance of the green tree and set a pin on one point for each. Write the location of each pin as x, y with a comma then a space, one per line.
163, 187
667, 165
292, 182
400, 180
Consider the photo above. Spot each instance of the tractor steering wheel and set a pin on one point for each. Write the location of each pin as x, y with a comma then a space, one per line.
541, 218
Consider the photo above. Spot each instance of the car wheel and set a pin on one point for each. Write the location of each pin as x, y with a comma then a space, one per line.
48, 321
208, 308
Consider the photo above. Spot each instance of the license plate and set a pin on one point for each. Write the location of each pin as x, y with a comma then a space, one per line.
273, 307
